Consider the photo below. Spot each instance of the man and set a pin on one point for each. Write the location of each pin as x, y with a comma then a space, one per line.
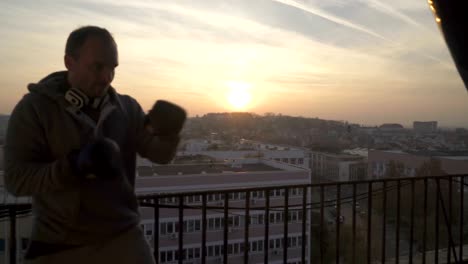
71, 144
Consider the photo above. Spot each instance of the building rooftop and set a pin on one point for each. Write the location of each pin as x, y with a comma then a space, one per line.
363, 152
393, 126
207, 168
447, 154
454, 157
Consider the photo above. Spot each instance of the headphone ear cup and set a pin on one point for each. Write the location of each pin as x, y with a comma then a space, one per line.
76, 98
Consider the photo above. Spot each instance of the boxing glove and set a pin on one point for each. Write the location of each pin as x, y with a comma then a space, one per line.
100, 158
166, 119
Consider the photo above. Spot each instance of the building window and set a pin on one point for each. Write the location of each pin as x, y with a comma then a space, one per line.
210, 251
254, 246
279, 217
149, 232
277, 192
24, 243
191, 226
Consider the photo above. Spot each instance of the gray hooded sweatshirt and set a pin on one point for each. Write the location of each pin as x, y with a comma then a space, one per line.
43, 129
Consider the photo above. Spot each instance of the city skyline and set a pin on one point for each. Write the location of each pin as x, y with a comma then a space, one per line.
366, 61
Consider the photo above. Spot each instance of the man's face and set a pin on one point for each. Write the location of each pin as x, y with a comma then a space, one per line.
93, 70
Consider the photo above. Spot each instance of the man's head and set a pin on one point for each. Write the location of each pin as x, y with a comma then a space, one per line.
91, 58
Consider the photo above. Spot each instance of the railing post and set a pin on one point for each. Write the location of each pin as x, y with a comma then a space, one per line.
462, 194
436, 250
397, 239
384, 219
12, 213
203, 245
304, 225
156, 231
411, 223
285, 222
337, 222
181, 229
226, 223
354, 225
424, 223
450, 240
267, 225
369, 222
246, 225
322, 221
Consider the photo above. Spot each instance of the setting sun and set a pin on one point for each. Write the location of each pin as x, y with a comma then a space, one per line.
238, 95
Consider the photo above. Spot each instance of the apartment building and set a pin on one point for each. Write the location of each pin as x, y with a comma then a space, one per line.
215, 177
451, 162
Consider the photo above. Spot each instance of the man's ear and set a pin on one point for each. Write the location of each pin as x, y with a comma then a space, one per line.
69, 62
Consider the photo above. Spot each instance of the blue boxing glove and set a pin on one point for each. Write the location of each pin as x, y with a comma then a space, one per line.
100, 159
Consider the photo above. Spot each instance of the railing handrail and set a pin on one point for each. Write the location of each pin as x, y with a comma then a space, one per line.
324, 184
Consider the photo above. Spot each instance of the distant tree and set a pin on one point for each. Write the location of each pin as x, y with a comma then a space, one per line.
441, 186
213, 147
346, 250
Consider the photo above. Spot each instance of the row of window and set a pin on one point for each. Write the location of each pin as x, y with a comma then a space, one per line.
291, 160
196, 199
380, 169
217, 223
194, 225
236, 248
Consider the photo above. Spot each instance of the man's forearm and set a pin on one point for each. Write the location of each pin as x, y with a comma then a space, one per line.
29, 178
160, 150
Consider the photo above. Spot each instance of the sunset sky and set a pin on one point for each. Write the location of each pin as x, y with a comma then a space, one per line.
367, 61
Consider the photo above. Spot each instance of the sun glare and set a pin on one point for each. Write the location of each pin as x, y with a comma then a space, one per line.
239, 95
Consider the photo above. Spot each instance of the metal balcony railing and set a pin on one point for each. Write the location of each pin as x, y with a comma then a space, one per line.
393, 220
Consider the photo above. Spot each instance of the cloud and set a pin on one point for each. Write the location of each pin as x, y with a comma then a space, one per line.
335, 55
331, 17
